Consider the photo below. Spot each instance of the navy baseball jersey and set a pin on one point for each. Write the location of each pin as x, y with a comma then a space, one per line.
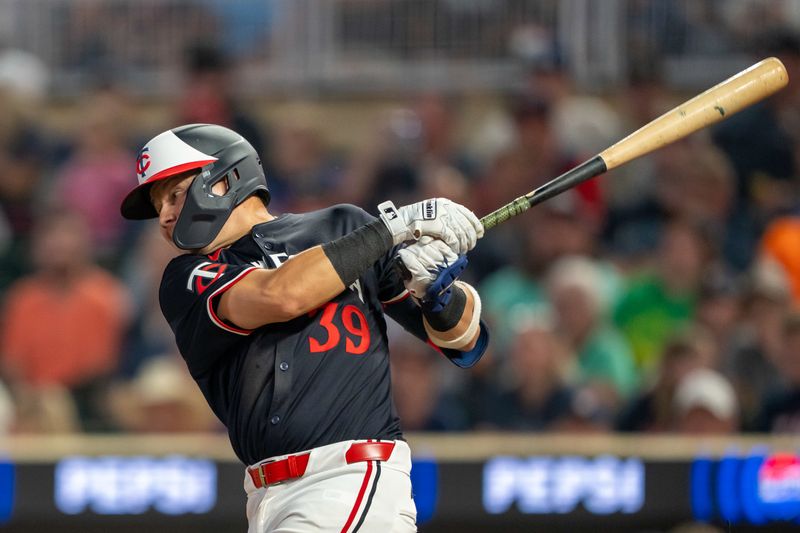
291, 386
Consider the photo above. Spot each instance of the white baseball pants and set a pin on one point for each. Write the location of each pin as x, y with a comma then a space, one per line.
333, 496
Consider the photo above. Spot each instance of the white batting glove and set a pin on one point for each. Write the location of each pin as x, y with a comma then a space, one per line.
424, 259
436, 217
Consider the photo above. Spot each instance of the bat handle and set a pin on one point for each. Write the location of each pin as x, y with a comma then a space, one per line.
509, 210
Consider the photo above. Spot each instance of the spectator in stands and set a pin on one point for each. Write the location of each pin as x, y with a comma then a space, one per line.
642, 99
24, 73
780, 409
583, 124
63, 325
207, 96
779, 246
420, 396
388, 161
556, 229
720, 308
45, 409
534, 157
651, 410
305, 174
575, 287
410, 155
663, 299
765, 164
149, 334
24, 155
96, 175
438, 116
705, 403
693, 180
535, 394
161, 398
756, 344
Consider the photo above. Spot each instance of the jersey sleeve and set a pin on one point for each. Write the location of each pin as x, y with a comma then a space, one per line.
189, 293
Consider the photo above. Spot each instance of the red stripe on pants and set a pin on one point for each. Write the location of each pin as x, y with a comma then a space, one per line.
359, 498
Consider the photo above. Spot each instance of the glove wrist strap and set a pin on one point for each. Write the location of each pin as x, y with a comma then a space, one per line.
474, 324
444, 317
391, 217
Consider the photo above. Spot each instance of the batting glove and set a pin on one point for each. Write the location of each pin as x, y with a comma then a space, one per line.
432, 268
440, 218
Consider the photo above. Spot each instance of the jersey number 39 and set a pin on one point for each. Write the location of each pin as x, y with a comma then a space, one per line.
353, 321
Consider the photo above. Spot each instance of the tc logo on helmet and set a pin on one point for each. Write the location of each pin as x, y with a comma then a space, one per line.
143, 162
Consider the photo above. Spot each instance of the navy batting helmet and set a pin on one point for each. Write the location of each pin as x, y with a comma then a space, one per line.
218, 154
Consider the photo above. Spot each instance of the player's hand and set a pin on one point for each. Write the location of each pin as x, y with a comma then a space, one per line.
431, 264
440, 218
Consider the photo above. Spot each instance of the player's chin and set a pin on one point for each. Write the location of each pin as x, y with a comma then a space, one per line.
166, 234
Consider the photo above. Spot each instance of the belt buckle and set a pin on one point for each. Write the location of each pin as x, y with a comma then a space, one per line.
261, 475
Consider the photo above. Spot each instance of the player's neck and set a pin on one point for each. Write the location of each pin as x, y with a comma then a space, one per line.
246, 215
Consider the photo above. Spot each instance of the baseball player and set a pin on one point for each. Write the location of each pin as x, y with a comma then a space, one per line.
281, 322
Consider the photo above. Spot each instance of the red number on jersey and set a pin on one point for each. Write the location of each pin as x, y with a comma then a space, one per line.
333, 332
360, 330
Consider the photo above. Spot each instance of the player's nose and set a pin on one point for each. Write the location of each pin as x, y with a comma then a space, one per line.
167, 216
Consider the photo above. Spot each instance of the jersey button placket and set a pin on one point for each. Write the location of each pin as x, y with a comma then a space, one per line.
281, 396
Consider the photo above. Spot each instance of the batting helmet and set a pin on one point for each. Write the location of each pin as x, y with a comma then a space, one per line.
218, 154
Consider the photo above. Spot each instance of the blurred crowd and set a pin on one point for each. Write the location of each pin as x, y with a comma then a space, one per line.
661, 298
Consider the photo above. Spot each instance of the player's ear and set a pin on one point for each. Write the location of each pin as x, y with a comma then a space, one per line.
221, 187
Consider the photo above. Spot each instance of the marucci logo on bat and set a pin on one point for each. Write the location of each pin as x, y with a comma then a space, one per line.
204, 275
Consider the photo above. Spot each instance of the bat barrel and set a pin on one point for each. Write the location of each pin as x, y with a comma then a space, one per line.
717, 103
721, 101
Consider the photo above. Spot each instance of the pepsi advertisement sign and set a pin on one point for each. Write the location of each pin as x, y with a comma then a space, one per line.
755, 489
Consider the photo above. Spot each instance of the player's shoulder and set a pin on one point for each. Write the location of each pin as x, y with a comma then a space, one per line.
179, 267
334, 221
341, 212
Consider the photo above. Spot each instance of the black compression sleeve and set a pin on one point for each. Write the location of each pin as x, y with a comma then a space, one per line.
450, 316
357, 251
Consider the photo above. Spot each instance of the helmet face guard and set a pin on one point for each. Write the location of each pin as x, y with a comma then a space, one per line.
205, 212
220, 155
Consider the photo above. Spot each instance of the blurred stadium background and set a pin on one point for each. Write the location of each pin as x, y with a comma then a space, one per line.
644, 373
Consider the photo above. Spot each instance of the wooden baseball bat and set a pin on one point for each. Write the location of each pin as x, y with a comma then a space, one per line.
717, 103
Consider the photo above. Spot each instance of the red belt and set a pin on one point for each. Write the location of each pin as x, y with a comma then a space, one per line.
294, 466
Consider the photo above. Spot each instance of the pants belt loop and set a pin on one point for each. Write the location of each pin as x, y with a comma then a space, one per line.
291, 463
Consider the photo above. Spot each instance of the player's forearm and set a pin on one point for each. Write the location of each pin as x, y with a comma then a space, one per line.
464, 334
304, 282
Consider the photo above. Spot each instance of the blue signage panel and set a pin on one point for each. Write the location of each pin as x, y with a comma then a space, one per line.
6, 490
755, 489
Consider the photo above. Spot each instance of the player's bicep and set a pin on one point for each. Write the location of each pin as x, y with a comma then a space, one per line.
250, 304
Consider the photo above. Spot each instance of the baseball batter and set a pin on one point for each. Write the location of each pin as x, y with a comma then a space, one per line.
280, 319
